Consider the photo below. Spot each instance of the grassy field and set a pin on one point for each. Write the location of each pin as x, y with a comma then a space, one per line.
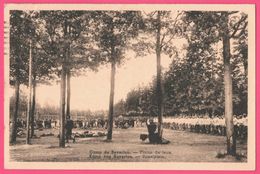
126, 146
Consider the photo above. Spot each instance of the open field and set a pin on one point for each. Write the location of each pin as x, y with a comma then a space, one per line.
126, 146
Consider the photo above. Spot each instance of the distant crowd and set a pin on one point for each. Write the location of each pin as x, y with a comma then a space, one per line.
119, 122
46, 123
206, 125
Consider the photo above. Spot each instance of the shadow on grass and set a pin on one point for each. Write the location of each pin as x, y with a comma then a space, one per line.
237, 156
58, 147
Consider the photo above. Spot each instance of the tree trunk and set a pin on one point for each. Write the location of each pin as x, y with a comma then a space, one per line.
111, 101
63, 92
245, 64
15, 115
68, 94
62, 107
33, 107
231, 139
159, 75
29, 106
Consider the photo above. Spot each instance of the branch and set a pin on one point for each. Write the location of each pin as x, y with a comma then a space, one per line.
236, 27
242, 31
163, 37
38, 38
151, 14
175, 22
172, 36
228, 13
232, 12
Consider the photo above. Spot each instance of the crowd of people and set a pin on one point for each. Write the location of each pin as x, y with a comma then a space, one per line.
38, 124
197, 124
119, 122
207, 125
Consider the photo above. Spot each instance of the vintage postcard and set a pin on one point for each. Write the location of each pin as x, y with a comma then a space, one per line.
130, 86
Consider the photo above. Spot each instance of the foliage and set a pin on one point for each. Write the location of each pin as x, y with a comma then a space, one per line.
194, 83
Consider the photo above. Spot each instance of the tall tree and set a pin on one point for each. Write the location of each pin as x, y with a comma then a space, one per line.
55, 41
40, 65
67, 37
29, 108
162, 27
231, 144
231, 26
68, 76
116, 29
43, 72
230, 30
20, 31
227, 25
33, 105
159, 73
15, 115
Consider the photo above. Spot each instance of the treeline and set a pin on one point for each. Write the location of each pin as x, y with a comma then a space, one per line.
192, 87
194, 83
47, 110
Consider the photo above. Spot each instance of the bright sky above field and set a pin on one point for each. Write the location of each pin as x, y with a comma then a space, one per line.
92, 90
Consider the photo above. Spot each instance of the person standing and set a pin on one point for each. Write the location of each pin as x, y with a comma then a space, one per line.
69, 126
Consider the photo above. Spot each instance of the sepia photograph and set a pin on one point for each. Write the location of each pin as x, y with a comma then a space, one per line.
125, 86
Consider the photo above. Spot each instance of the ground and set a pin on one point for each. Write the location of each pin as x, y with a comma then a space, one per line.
126, 146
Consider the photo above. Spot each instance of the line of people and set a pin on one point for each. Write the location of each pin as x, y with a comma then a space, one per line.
197, 124
206, 125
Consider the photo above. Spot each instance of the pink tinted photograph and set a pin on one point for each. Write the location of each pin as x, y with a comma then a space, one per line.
129, 87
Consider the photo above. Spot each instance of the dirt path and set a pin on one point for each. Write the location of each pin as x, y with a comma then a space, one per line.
126, 146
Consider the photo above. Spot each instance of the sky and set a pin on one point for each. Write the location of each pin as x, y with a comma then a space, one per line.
91, 91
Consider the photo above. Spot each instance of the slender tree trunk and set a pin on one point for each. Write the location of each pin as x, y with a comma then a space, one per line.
29, 107
68, 94
63, 92
213, 106
231, 139
68, 76
245, 104
33, 106
62, 107
245, 64
15, 115
111, 100
159, 75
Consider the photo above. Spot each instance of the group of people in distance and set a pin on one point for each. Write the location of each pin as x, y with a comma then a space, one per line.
207, 125
197, 124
